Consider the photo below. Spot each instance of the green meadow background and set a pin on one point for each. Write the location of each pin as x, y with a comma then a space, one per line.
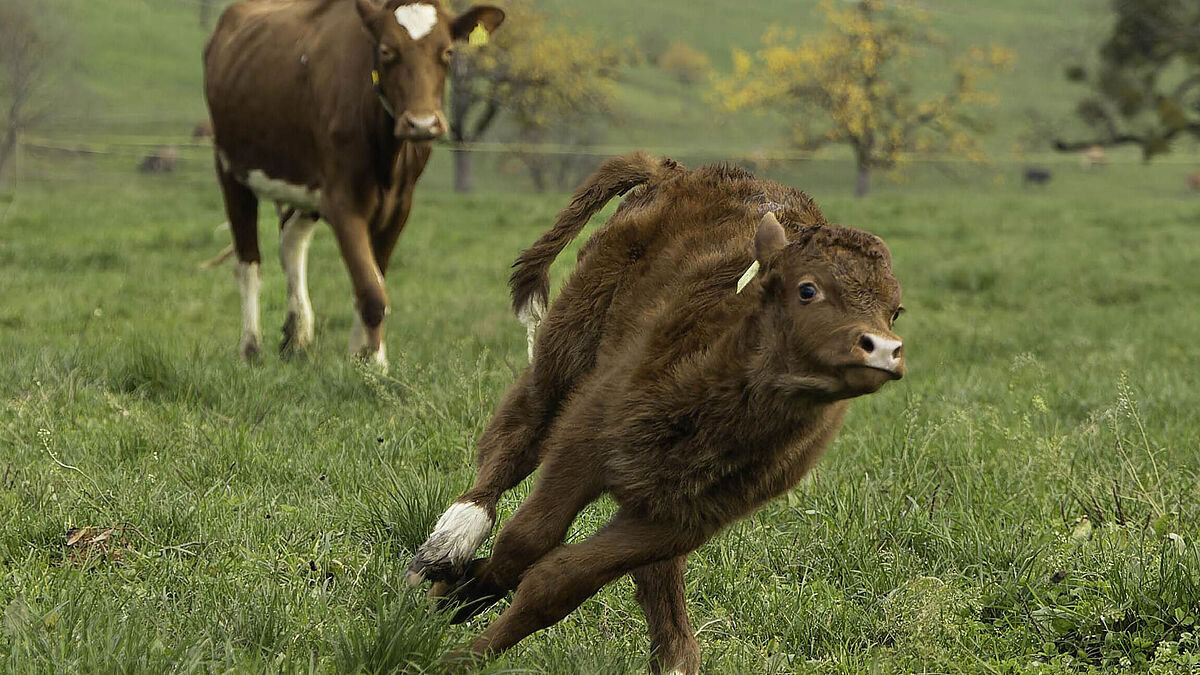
1025, 500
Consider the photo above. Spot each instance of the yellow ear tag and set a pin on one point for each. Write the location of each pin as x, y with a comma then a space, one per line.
478, 37
747, 276
375, 77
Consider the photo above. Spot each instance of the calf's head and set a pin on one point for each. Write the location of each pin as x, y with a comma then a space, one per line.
413, 42
830, 303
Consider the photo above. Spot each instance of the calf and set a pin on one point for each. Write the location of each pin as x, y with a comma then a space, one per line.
698, 361
329, 107
1036, 176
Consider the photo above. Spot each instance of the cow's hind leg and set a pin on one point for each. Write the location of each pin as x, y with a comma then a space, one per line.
564, 487
296, 232
661, 593
508, 453
241, 205
564, 578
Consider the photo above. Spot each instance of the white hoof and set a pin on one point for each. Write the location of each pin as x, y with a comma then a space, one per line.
458, 534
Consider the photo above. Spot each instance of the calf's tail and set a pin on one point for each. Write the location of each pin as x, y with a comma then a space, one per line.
530, 280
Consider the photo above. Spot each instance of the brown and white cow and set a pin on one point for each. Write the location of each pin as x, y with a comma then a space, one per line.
328, 107
696, 364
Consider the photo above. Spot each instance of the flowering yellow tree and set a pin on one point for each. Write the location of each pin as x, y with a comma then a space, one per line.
540, 76
852, 85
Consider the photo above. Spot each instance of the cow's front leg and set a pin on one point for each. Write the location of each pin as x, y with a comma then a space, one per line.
661, 593
296, 233
370, 297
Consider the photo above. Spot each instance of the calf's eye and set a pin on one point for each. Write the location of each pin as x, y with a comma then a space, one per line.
808, 290
897, 313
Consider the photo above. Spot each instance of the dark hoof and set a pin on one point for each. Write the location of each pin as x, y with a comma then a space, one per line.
469, 597
252, 353
289, 346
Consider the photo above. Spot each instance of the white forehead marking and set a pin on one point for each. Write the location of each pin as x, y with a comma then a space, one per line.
418, 19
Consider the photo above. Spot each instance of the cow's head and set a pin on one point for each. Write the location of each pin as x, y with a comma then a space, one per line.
830, 302
413, 42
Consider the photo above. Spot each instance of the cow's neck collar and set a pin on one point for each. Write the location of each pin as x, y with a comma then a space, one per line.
377, 83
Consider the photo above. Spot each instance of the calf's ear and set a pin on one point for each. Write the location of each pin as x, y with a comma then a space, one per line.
486, 17
769, 238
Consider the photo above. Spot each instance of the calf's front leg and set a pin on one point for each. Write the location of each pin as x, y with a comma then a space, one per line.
568, 575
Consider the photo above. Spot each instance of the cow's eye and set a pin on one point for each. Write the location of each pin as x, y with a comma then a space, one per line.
809, 291
386, 55
447, 55
897, 313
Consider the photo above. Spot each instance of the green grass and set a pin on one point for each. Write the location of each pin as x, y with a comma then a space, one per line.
264, 516
260, 519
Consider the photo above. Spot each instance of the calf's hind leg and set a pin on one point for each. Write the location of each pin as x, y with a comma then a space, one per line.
661, 593
508, 453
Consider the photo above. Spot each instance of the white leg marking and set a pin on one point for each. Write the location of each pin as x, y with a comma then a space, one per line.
293, 255
457, 536
531, 315
248, 283
358, 342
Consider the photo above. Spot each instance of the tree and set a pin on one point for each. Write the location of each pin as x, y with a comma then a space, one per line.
1145, 87
852, 85
28, 54
539, 75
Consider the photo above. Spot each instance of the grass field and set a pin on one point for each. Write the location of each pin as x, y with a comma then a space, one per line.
264, 516
1025, 500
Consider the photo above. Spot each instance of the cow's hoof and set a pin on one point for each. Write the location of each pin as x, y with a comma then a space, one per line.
295, 342
376, 359
251, 351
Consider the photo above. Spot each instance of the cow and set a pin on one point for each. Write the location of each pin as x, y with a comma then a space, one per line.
328, 108
1093, 158
697, 362
1193, 182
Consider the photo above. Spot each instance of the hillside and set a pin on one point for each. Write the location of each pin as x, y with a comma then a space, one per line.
137, 79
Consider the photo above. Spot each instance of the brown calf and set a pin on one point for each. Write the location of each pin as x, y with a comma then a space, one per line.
698, 361
329, 107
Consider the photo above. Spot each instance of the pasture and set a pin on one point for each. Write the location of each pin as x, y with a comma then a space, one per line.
1026, 499
260, 519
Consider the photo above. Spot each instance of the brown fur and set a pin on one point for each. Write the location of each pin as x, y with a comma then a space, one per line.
655, 382
290, 93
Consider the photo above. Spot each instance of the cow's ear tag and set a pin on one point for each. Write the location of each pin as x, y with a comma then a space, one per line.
375, 77
478, 37
747, 276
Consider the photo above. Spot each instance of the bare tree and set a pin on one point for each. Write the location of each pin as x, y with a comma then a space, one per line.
28, 53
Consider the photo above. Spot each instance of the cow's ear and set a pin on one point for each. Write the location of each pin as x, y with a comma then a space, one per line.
368, 11
479, 17
769, 238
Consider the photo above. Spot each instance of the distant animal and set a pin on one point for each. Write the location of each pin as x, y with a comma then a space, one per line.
1036, 176
1093, 158
163, 159
696, 364
329, 107
1193, 181
202, 131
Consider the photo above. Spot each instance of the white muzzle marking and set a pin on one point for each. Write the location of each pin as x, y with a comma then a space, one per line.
885, 353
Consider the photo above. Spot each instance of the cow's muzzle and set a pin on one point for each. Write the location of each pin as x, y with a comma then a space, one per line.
421, 126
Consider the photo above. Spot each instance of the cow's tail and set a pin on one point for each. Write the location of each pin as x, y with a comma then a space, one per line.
223, 255
530, 280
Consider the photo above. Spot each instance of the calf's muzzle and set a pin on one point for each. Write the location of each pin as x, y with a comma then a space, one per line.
883, 353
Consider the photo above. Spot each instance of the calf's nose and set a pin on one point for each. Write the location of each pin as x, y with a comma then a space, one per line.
883, 353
